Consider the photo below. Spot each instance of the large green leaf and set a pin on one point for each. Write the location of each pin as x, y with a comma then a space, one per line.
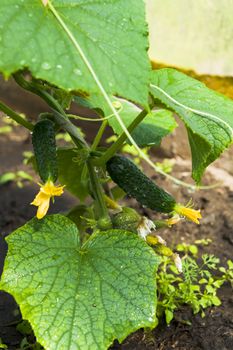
80, 297
208, 115
112, 35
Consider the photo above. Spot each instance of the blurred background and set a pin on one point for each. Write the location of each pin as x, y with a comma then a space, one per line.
194, 35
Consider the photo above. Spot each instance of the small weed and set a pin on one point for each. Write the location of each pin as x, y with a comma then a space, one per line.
19, 177
196, 287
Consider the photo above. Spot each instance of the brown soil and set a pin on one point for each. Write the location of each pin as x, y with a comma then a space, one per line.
213, 332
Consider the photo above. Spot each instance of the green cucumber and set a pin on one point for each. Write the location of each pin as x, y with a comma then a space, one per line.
44, 145
104, 223
136, 184
128, 219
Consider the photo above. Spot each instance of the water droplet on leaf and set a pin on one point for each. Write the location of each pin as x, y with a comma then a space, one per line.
77, 71
46, 66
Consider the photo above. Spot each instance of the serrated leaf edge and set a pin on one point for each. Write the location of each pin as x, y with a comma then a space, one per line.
151, 323
196, 111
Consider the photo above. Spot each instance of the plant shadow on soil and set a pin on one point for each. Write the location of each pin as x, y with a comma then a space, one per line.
213, 332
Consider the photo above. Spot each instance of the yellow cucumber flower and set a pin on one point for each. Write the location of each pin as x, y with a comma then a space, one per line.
153, 240
173, 220
188, 212
42, 199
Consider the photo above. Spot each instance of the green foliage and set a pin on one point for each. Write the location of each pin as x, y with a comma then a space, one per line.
28, 342
84, 218
5, 129
2, 346
207, 114
72, 170
187, 248
24, 327
156, 125
63, 136
100, 28
19, 177
197, 287
87, 289
228, 272
166, 165
8, 124
82, 283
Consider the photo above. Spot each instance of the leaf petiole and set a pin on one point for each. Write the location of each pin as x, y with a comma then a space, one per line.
116, 146
99, 135
15, 116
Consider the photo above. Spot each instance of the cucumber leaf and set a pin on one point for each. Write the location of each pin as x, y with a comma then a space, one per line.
73, 172
208, 115
32, 37
156, 125
80, 297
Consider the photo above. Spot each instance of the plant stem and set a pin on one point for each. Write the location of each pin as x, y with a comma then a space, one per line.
97, 190
121, 139
71, 129
111, 203
59, 114
15, 116
99, 135
34, 88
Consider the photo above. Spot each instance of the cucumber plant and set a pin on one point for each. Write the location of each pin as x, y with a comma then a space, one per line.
87, 277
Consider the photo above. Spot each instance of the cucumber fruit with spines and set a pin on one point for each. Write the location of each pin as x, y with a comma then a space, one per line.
136, 184
44, 145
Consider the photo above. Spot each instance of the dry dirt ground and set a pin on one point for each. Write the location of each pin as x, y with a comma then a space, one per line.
213, 332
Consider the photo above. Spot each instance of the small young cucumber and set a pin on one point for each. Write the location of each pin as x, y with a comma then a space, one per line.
104, 223
136, 184
44, 145
128, 219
